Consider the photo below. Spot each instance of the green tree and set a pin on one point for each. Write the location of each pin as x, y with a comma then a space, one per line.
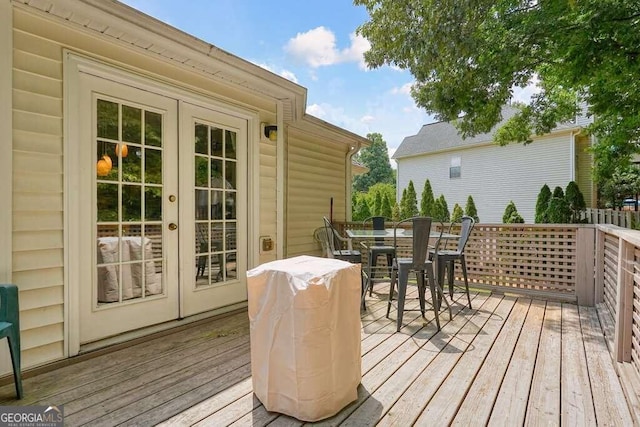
410, 206
470, 209
576, 202
542, 203
403, 204
427, 201
558, 192
511, 215
558, 211
469, 56
377, 204
441, 210
623, 183
457, 213
362, 210
376, 158
395, 213
387, 210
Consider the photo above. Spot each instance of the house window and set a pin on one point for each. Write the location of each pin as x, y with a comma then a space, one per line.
454, 169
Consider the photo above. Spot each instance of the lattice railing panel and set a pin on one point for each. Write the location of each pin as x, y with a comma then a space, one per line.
539, 258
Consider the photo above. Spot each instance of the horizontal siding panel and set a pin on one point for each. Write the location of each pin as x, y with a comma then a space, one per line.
42, 336
41, 317
44, 354
316, 173
37, 142
267, 172
36, 103
37, 202
39, 279
37, 182
493, 175
35, 45
34, 63
39, 298
42, 85
35, 260
37, 162
34, 240
32, 221
34, 122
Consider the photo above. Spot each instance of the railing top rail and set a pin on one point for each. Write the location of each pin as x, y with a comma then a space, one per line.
631, 236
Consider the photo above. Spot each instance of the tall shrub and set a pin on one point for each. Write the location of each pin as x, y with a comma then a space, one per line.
542, 203
377, 204
457, 213
470, 209
441, 210
386, 210
576, 202
558, 211
410, 208
395, 213
403, 204
427, 201
511, 215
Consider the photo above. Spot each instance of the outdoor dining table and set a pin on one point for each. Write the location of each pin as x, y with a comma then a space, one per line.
389, 233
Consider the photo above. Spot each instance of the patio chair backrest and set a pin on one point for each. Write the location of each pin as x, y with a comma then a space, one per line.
421, 230
377, 222
466, 226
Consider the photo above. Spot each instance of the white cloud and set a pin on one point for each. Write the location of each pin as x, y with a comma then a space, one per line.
405, 89
523, 94
317, 48
367, 119
289, 75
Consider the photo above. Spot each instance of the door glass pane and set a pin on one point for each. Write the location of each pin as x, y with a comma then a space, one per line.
128, 203
215, 182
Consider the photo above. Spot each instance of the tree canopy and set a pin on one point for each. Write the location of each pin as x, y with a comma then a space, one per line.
376, 158
467, 58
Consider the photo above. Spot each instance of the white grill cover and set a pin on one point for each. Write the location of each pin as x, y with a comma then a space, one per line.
305, 325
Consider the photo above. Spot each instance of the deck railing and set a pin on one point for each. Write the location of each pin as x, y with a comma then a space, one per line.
547, 260
588, 264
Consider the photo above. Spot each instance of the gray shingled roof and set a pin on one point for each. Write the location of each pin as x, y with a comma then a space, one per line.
443, 135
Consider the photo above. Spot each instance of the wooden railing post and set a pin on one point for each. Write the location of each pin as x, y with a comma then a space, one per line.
599, 282
585, 264
624, 303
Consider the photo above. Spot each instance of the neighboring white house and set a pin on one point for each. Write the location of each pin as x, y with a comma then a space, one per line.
491, 174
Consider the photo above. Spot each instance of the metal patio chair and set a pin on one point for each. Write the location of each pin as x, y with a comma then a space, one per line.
421, 266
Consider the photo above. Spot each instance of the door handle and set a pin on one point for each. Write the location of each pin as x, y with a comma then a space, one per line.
173, 226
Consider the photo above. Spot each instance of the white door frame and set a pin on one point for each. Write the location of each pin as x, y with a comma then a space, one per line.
74, 65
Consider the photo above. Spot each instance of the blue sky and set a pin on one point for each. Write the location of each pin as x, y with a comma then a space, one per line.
312, 43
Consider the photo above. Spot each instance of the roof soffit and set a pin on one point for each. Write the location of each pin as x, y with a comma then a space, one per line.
120, 22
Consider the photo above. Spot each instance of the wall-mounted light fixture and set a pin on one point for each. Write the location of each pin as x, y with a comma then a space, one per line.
271, 132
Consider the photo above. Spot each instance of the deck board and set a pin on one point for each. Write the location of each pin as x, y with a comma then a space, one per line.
508, 361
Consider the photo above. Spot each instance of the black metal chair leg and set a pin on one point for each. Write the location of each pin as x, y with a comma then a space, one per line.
463, 263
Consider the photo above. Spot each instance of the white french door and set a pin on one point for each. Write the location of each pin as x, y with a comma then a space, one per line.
213, 211
162, 212
128, 179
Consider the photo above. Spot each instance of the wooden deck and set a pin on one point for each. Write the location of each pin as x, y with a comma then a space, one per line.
509, 361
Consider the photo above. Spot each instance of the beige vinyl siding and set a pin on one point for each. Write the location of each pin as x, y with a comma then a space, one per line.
38, 217
584, 160
268, 189
493, 175
315, 174
38, 252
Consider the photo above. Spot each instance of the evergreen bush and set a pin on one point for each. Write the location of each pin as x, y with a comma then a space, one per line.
457, 213
542, 203
470, 209
427, 201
